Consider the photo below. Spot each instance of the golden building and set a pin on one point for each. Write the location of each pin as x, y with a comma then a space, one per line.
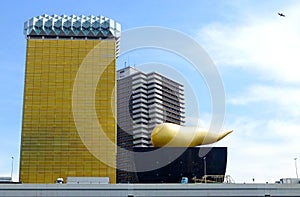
69, 126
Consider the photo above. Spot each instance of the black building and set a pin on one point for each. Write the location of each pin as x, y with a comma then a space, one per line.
170, 164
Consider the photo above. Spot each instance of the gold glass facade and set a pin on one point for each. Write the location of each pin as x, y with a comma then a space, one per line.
51, 145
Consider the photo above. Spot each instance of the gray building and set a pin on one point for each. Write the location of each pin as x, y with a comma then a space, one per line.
143, 101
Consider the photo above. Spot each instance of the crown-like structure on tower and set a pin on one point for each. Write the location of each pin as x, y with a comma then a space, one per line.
73, 27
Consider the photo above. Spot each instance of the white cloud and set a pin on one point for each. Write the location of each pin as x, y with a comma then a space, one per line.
262, 146
270, 45
285, 99
264, 149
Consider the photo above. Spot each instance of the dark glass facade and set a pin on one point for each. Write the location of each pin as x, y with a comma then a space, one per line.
189, 164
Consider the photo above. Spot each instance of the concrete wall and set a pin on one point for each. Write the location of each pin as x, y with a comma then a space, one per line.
158, 190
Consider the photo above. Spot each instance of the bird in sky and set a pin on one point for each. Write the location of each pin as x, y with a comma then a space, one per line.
281, 14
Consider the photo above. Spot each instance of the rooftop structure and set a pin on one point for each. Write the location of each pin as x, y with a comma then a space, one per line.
73, 27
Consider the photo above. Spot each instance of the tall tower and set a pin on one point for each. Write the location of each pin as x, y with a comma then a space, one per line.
69, 104
144, 101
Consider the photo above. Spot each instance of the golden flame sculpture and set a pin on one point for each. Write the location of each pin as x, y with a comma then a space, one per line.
173, 135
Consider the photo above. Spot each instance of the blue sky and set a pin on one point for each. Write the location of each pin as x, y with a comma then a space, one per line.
255, 51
